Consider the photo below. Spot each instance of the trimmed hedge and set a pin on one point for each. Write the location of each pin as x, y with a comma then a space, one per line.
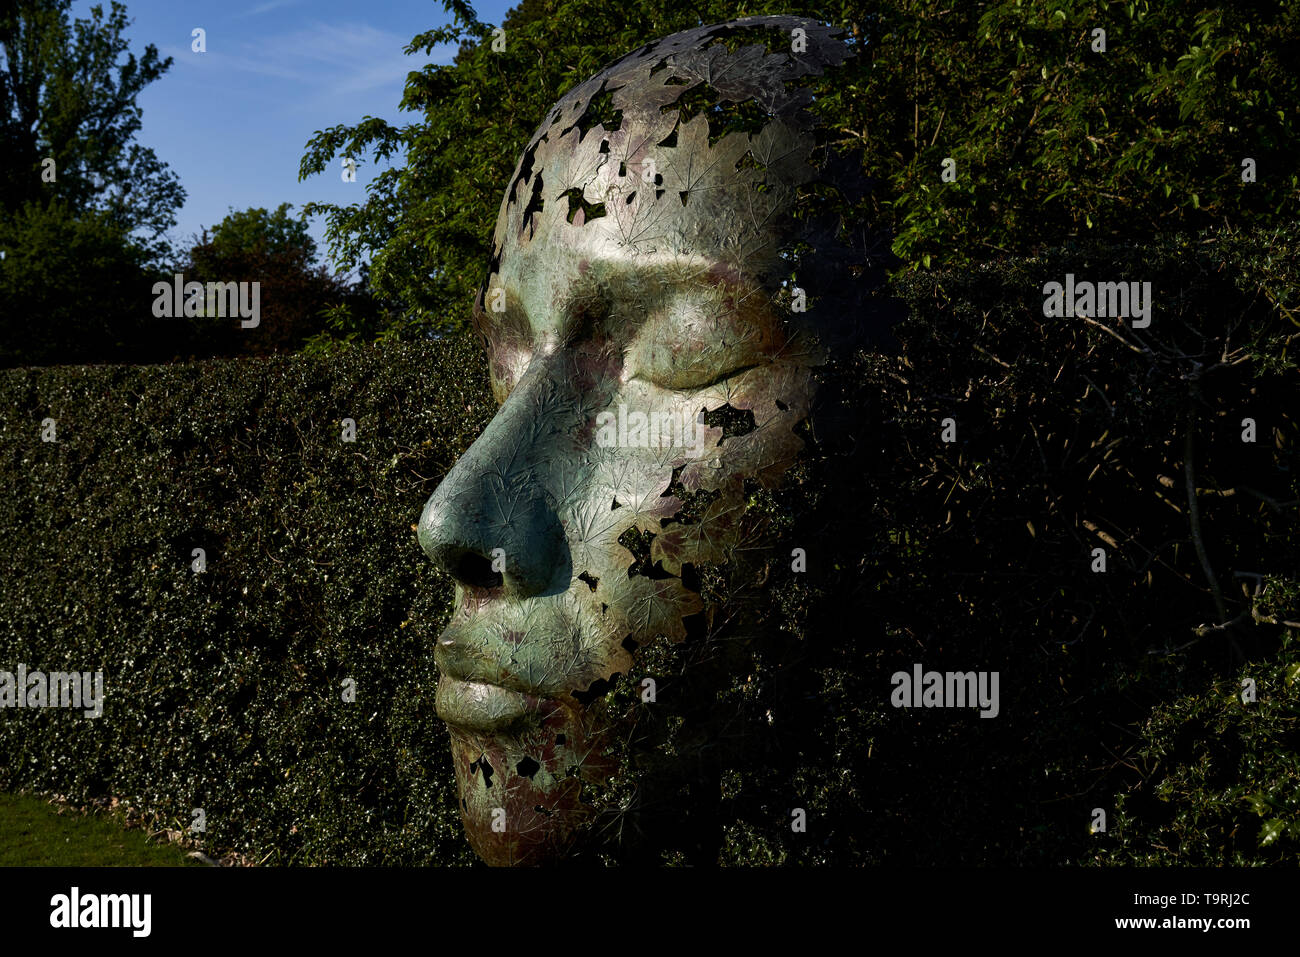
224, 688
977, 554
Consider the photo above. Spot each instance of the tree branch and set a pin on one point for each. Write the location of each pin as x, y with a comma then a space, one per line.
1194, 512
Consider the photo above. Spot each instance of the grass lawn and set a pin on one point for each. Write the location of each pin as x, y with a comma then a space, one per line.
33, 833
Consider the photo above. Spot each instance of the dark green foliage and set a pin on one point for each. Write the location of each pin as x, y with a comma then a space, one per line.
259, 232
1220, 778
223, 689
1117, 688
275, 250
73, 287
68, 90
977, 555
83, 206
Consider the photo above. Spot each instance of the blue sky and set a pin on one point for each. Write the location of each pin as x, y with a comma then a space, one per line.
232, 122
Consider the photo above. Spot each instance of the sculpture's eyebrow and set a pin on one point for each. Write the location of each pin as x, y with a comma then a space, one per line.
657, 276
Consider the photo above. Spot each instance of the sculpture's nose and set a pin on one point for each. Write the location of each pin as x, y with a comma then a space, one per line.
491, 523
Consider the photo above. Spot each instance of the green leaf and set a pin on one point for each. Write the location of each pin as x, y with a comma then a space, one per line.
1260, 803
1271, 831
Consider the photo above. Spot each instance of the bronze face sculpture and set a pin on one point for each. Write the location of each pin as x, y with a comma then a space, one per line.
665, 269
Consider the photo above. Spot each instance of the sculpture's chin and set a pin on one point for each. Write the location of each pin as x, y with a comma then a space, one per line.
521, 793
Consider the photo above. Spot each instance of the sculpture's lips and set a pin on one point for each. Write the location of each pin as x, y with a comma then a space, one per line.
475, 693
479, 706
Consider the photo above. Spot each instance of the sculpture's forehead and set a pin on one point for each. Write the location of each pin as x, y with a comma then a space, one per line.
619, 200
595, 224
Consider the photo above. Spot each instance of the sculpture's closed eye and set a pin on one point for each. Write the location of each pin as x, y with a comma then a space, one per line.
692, 380
686, 356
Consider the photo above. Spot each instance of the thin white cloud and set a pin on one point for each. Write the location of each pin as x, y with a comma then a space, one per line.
267, 7
333, 59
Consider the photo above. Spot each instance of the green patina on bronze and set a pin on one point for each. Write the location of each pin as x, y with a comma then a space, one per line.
648, 259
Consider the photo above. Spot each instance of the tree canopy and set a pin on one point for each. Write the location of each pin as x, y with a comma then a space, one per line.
68, 96
83, 207
275, 250
1056, 131
256, 231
